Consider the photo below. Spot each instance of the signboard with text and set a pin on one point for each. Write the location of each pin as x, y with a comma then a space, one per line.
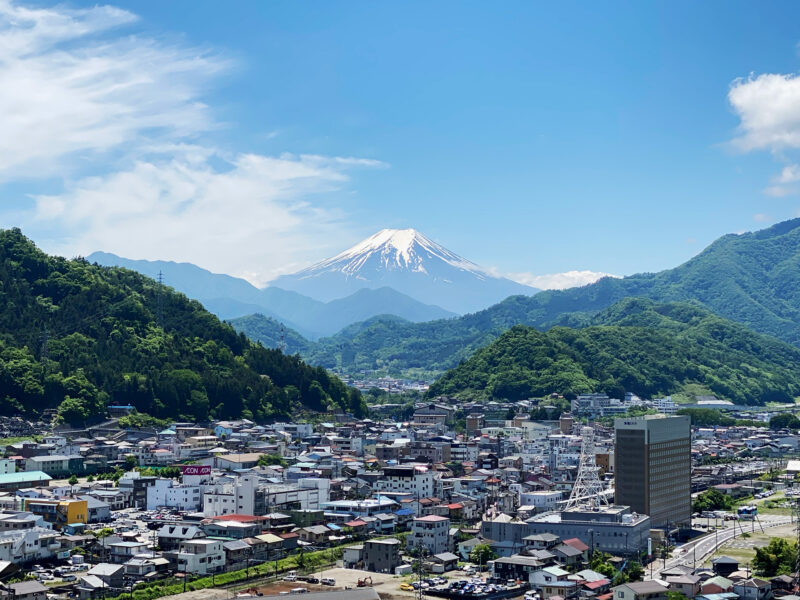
196, 470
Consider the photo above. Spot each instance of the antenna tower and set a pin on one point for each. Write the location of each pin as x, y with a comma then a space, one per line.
588, 488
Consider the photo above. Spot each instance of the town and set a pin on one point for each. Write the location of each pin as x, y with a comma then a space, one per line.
474, 500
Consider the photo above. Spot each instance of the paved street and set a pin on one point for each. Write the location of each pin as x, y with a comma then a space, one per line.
695, 552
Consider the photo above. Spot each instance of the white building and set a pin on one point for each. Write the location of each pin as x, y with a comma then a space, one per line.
248, 495
431, 532
201, 556
167, 492
415, 480
541, 500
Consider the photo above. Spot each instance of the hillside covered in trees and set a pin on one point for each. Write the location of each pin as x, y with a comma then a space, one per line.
635, 346
77, 337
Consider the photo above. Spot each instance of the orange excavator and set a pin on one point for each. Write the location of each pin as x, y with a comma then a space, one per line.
366, 582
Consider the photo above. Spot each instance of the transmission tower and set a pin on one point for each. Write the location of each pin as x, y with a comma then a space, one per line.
588, 488
160, 301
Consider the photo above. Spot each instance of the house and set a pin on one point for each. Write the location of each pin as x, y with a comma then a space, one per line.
431, 532
237, 554
567, 555
353, 556
516, 566
111, 575
688, 585
444, 562
753, 589
170, 537
146, 568
724, 565
28, 590
382, 556
553, 581
315, 534
716, 585
124, 551
640, 590
200, 556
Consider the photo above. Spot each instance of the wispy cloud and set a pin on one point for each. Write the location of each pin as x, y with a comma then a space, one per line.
559, 281
121, 118
249, 217
71, 90
761, 218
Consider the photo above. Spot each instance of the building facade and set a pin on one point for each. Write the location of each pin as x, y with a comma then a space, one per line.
653, 467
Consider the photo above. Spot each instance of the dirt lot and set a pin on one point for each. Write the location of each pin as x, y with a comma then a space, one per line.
387, 586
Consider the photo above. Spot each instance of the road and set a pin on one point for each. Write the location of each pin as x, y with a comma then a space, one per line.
695, 552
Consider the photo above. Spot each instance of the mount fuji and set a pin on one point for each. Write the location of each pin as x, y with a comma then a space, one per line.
409, 262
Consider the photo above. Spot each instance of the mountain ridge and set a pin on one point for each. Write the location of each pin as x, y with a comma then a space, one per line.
232, 298
751, 278
638, 346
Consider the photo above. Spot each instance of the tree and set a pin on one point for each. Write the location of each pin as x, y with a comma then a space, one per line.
482, 553
73, 480
776, 558
712, 499
784, 421
267, 460
130, 462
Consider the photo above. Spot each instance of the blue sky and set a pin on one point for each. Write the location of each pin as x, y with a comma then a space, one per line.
532, 139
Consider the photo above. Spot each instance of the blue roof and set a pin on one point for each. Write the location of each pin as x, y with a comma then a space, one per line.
333, 526
24, 477
404, 512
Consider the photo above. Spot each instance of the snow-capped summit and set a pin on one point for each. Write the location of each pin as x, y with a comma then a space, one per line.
409, 262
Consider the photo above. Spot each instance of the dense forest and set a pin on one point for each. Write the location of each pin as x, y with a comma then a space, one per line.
635, 346
752, 278
271, 333
77, 337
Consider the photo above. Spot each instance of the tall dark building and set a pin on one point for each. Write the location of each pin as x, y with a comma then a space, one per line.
653, 467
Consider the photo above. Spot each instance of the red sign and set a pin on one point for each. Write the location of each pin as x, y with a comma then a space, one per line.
196, 470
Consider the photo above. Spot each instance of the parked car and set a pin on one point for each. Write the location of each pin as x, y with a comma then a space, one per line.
328, 581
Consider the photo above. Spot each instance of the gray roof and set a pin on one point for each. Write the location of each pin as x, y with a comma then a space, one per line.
445, 556
27, 587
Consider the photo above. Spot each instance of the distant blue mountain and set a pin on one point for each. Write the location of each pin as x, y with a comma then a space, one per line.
230, 297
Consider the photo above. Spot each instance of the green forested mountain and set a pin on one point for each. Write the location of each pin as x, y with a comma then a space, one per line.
634, 346
752, 278
270, 333
76, 337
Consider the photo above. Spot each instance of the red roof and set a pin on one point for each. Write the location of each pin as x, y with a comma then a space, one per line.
577, 544
240, 518
492, 480
432, 519
455, 506
355, 523
288, 536
593, 585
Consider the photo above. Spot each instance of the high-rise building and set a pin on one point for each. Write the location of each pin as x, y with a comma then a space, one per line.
653, 467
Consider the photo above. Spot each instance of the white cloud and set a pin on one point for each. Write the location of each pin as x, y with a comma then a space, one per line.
768, 106
251, 218
559, 281
761, 218
72, 91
